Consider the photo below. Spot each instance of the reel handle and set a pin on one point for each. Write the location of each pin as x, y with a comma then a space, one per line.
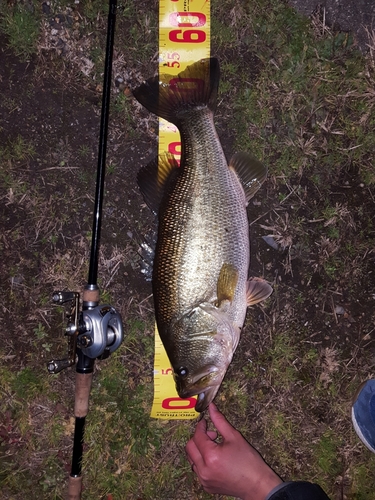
57, 365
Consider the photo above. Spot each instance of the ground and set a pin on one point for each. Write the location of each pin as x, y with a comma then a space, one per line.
346, 15
297, 93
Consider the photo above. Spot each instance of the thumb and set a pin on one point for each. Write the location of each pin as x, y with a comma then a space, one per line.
220, 422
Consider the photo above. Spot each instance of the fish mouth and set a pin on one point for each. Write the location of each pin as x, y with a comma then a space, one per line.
205, 398
205, 384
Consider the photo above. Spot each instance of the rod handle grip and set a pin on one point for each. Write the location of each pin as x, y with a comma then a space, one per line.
82, 394
74, 488
91, 294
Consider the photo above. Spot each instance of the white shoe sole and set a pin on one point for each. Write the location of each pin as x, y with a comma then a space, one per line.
359, 432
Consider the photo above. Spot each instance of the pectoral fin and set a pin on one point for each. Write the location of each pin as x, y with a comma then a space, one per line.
250, 172
257, 290
219, 313
226, 284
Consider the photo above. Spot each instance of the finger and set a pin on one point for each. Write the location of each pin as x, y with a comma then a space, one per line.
189, 459
212, 435
203, 440
193, 454
220, 422
200, 430
201, 425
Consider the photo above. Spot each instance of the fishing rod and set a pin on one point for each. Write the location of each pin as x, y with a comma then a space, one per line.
95, 331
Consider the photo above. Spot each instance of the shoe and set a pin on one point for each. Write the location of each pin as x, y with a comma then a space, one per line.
363, 414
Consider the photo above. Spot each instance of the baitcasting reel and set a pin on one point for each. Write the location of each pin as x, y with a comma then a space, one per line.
96, 330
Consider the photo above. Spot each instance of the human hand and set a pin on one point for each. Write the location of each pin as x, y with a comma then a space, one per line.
232, 467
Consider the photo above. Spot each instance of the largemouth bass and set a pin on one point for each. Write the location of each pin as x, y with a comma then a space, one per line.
200, 270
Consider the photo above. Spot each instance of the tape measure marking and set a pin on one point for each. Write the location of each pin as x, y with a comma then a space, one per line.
184, 38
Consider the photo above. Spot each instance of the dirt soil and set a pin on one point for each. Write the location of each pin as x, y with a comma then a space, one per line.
346, 15
46, 214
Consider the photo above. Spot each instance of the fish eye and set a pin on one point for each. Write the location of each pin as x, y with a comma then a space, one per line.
182, 372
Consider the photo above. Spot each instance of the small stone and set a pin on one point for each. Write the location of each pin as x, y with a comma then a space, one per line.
46, 8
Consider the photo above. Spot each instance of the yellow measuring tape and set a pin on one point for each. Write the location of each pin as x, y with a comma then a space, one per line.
184, 38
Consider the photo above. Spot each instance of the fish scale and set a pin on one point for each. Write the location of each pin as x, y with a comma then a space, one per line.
200, 286
203, 224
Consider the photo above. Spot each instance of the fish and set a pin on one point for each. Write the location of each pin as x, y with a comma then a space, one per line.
201, 260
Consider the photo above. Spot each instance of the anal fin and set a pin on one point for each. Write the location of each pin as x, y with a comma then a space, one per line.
257, 290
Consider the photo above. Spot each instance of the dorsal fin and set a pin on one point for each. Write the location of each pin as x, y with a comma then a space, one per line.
250, 172
153, 178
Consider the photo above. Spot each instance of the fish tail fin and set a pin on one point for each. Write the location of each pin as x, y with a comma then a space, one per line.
169, 96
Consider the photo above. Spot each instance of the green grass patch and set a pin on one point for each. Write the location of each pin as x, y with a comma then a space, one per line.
21, 25
281, 356
327, 453
329, 461
17, 150
361, 487
299, 112
28, 383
